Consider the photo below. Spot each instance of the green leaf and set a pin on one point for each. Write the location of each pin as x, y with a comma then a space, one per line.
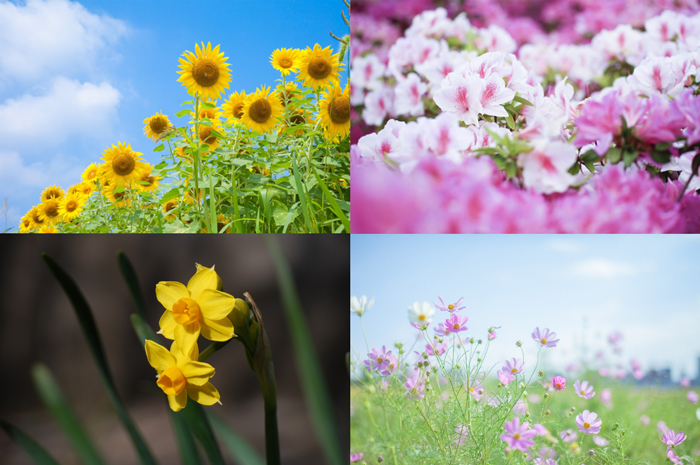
37, 453
271, 137
331, 199
132, 283
185, 441
614, 155
240, 450
182, 113
661, 157
171, 194
575, 169
589, 156
207, 105
53, 399
202, 431
300, 192
313, 384
188, 102
629, 156
159, 148
89, 328
510, 122
511, 169
519, 99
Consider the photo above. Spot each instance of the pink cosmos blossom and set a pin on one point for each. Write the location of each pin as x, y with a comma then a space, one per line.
494, 401
673, 457
545, 456
356, 457
645, 420
462, 433
518, 436
583, 389
614, 338
460, 95
559, 383
408, 95
415, 388
606, 397
439, 349
692, 397
661, 426
442, 330
671, 438
492, 335
378, 359
505, 377
520, 407
514, 366
456, 323
476, 389
685, 381
600, 441
392, 363
568, 435
540, 429
455, 307
588, 422
545, 338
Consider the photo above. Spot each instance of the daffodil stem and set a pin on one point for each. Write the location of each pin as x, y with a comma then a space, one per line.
213, 347
272, 447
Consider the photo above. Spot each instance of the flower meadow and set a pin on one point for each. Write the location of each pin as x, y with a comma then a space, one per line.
526, 117
271, 160
440, 401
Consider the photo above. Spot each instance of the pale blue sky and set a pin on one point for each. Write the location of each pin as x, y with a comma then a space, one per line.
581, 287
79, 76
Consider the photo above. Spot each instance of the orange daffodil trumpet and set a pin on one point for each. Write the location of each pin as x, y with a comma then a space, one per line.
180, 374
199, 308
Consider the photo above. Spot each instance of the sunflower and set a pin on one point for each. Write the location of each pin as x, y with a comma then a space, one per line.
148, 183
292, 94
319, 67
285, 60
222, 222
119, 199
208, 113
48, 229
334, 112
206, 136
71, 206
52, 192
260, 111
91, 173
205, 72
48, 211
168, 207
25, 223
156, 126
180, 152
297, 117
33, 214
233, 109
122, 165
86, 189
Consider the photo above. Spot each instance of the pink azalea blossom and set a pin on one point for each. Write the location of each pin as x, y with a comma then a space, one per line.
455, 307
457, 323
582, 389
671, 438
588, 422
545, 338
518, 436
559, 383
408, 96
367, 72
460, 95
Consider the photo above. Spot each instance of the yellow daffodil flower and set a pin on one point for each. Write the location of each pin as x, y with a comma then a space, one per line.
180, 374
200, 308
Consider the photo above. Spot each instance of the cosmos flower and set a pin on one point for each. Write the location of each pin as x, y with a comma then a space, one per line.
588, 422
545, 338
518, 436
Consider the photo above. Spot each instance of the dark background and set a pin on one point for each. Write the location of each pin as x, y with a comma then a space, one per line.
37, 324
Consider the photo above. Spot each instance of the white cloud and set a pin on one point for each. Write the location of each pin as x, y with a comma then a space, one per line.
52, 35
69, 108
602, 268
560, 245
19, 177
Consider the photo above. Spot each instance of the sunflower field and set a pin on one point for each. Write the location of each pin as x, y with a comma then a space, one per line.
273, 161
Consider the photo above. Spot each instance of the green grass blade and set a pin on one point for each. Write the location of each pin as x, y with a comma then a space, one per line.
241, 451
132, 283
53, 399
334, 204
188, 449
313, 384
202, 430
37, 453
87, 324
300, 192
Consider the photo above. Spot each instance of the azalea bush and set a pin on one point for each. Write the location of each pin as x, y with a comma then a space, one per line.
558, 117
272, 160
444, 400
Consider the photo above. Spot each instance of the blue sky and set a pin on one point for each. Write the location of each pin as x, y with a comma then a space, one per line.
581, 287
76, 77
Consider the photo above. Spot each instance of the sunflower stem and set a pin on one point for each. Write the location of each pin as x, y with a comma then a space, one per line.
234, 194
196, 161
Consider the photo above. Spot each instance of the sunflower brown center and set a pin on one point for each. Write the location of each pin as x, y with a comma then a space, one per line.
319, 68
71, 206
51, 209
35, 217
205, 72
285, 62
157, 125
149, 179
260, 111
209, 113
297, 119
172, 381
123, 164
186, 311
237, 110
169, 206
340, 110
206, 136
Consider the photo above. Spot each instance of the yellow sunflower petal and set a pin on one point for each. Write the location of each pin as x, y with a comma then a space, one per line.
169, 292
158, 356
179, 401
205, 395
217, 330
197, 373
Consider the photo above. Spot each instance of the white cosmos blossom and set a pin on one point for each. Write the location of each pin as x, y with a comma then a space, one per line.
421, 313
361, 305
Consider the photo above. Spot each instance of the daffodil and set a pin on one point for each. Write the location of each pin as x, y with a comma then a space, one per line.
180, 374
198, 308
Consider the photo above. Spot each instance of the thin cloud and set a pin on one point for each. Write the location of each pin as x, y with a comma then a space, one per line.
603, 268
